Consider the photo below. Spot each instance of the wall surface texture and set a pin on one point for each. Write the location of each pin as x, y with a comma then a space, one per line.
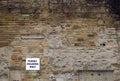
76, 40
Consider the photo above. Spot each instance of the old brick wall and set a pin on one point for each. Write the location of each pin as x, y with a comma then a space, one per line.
68, 37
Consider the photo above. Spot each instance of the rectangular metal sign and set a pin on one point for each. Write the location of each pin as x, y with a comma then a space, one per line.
32, 64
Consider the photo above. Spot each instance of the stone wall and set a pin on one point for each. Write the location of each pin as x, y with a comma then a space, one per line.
68, 39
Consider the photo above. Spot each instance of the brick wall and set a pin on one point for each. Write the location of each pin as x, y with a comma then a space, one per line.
68, 38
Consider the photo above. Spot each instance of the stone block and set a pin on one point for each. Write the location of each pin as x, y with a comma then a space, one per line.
44, 60
75, 27
15, 75
4, 79
60, 79
80, 39
24, 79
101, 22
34, 49
14, 57
75, 79
17, 49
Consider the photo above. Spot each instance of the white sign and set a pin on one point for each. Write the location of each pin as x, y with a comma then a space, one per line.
32, 64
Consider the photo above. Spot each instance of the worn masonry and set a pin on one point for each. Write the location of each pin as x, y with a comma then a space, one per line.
76, 40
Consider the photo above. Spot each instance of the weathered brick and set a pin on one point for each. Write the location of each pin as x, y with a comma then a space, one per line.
85, 37
14, 57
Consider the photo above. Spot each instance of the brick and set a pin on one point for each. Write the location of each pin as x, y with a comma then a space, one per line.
14, 57
75, 27
82, 40
17, 49
24, 79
